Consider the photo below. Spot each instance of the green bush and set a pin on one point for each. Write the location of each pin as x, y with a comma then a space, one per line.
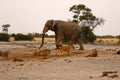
88, 35
20, 36
4, 37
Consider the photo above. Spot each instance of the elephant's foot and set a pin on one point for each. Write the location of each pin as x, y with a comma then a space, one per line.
57, 46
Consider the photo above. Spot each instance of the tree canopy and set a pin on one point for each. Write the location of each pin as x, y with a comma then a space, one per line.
5, 28
84, 16
87, 21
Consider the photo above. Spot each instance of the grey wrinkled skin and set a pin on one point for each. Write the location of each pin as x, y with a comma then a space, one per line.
62, 29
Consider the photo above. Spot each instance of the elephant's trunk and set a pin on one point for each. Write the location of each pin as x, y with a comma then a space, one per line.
42, 41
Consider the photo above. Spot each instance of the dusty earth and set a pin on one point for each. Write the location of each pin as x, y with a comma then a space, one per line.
59, 67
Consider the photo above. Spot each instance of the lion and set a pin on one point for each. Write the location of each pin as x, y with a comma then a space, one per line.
35, 52
65, 48
42, 53
93, 54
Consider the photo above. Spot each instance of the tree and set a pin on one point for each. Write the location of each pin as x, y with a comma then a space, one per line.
83, 16
5, 28
4, 37
88, 35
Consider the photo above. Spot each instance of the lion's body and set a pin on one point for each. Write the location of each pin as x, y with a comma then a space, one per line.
65, 48
41, 53
93, 54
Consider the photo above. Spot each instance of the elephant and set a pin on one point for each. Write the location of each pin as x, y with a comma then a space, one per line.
63, 29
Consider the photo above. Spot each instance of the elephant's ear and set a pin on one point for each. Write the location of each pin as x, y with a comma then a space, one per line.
53, 24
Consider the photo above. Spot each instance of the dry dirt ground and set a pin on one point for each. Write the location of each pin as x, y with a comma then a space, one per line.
59, 67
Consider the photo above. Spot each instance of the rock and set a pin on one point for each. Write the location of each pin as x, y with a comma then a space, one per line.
118, 52
91, 77
67, 60
104, 74
107, 73
20, 64
114, 76
17, 60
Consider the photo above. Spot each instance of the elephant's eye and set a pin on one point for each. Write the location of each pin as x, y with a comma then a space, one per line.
50, 27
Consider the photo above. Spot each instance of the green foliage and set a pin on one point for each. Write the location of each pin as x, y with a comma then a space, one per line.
37, 35
88, 35
84, 16
118, 36
29, 36
20, 36
91, 37
4, 37
81, 13
5, 27
40, 35
12, 35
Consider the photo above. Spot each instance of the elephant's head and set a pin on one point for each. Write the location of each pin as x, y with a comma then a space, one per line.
49, 25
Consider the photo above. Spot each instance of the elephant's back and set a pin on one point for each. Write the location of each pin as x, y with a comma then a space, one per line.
68, 25
68, 28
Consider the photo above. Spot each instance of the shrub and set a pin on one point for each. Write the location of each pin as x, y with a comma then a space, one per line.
20, 36
88, 35
4, 37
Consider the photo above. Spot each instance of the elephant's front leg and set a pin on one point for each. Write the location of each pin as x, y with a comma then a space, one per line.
71, 42
58, 40
80, 44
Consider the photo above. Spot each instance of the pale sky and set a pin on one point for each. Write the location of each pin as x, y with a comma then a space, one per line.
28, 16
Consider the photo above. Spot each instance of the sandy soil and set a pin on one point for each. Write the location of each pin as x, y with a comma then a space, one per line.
58, 67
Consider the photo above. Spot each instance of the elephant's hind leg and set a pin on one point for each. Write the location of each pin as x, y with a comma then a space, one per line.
80, 44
